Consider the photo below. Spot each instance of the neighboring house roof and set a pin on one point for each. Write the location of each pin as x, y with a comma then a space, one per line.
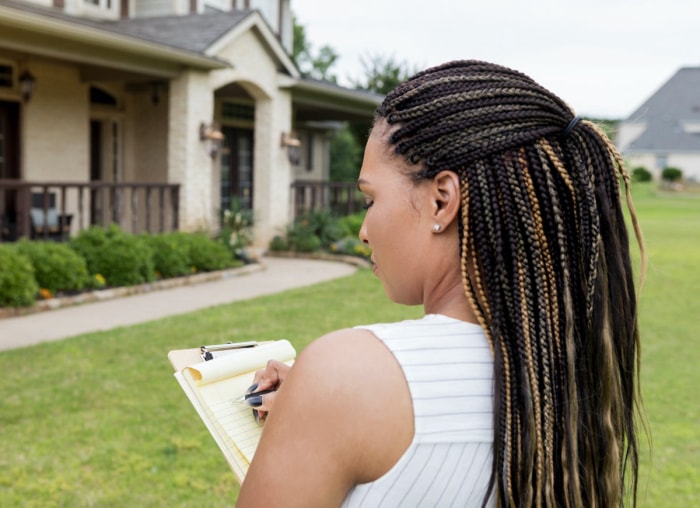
671, 115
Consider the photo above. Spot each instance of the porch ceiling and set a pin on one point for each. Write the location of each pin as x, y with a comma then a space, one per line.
319, 101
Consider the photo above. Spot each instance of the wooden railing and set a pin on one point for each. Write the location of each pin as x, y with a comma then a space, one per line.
340, 198
56, 210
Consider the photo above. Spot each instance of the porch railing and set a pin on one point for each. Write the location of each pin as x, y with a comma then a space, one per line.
340, 198
56, 210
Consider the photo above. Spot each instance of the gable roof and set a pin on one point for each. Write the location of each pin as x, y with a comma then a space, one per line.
196, 32
668, 112
50, 32
193, 39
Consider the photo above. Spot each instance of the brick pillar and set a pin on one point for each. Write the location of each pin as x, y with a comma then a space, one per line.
189, 164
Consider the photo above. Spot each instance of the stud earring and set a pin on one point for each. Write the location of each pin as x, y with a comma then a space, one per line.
437, 227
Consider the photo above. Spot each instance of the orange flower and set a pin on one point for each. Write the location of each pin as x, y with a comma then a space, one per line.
45, 293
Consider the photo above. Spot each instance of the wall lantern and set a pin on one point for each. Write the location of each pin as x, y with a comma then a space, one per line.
26, 85
212, 136
293, 146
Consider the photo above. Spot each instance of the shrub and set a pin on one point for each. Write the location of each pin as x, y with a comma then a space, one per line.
57, 267
351, 224
351, 246
237, 229
18, 287
122, 259
670, 174
314, 230
87, 243
641, 174
170, 254
324, 226
205, 254
279, 243
301, 236
307, 243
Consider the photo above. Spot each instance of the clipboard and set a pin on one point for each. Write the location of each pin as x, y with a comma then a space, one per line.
214, 385
181, 358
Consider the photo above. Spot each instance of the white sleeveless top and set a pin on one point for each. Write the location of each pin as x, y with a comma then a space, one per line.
449, 368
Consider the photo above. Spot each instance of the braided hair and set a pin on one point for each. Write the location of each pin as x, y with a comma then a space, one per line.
545, 265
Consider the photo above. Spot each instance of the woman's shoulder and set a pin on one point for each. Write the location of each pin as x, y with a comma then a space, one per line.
360, 386
347, 354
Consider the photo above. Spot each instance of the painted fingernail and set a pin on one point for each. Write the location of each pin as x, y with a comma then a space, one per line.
252, 388
255, 400
256, 416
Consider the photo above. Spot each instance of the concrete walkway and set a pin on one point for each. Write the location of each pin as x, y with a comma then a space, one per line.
275, 275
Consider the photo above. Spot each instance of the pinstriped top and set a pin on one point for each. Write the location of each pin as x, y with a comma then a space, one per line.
449, 369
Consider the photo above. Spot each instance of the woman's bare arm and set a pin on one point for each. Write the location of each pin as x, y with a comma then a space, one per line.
342, 416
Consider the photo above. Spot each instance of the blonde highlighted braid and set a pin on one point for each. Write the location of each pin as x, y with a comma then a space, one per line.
546, 266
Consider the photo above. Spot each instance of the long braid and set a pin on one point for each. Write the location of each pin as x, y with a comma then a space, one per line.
545, 266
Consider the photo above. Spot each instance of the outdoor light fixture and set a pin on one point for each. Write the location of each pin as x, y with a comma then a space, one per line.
26, 85
213, 136
293, 146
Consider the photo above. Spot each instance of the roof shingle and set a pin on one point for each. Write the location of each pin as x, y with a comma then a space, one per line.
675, 103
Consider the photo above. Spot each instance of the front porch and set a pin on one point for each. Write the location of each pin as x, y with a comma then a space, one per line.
58, 210
340, 198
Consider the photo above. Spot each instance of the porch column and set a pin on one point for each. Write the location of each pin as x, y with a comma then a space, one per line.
273, 171
189, 163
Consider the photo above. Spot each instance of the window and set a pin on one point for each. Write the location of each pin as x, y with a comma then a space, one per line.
238, 111
6, 76
310, 151
99, 96
103, 4
661, 161
217, 5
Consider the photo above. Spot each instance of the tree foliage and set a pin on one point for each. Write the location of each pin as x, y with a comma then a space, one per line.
312, 64
382, 73
345, 156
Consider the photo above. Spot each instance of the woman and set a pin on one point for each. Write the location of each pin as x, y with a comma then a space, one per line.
494, 207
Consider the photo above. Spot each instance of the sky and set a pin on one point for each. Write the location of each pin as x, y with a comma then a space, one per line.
603, 57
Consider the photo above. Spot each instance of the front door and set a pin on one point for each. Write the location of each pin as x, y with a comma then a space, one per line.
237, 169
9, 165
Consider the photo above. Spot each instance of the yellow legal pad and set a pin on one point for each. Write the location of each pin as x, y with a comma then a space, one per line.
213, 386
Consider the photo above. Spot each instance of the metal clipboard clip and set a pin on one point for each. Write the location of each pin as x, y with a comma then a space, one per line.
210, 352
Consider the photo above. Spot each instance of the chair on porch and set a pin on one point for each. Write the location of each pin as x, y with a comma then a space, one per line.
48, 224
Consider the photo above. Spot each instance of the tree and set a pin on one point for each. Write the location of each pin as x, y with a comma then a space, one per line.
382, 73
312, 65
345, 156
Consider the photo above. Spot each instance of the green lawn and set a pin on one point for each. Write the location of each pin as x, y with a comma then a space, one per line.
98, 420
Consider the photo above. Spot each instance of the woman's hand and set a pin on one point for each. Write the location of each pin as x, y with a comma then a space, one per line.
269, 378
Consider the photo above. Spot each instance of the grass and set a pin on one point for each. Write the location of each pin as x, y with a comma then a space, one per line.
98, 420
670, 347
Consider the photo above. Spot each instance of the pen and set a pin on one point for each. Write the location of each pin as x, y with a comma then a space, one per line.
246, 398
254, 399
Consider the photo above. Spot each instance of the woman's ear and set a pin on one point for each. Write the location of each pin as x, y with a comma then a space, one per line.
446, 197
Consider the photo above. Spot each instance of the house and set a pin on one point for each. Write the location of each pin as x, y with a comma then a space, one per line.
665, 130
160, 114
